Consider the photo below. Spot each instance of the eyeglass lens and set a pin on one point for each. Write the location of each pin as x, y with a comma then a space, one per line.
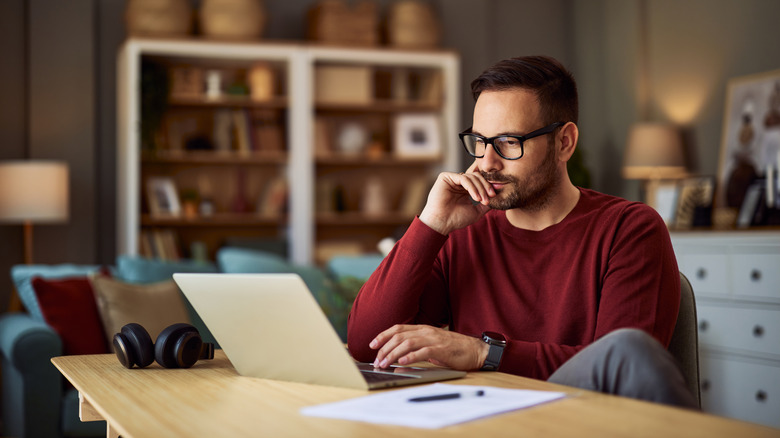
507, 147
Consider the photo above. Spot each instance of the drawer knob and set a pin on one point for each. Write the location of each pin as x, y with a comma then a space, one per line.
761, 396
701, 273
703, 325
705, 385
758, 331
755, 275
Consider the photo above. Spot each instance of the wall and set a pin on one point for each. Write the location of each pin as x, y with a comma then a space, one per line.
58, 70
694, 47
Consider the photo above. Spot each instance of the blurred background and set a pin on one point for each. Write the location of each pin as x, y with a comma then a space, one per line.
660, 60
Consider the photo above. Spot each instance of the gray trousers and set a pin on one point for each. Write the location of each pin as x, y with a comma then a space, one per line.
629, 363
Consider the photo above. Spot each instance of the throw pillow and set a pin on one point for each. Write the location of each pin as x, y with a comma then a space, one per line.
155, 306
22, 277
68, 306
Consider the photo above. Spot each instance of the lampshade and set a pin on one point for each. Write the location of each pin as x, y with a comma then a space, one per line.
33, 191
654, 151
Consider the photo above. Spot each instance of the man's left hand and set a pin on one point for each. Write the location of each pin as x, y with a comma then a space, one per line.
406, 344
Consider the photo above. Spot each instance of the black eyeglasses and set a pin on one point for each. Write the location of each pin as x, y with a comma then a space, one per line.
508, 147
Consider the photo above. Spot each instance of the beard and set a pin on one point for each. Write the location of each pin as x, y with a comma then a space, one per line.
530, 193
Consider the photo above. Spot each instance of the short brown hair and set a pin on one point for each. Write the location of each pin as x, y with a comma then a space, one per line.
552, 83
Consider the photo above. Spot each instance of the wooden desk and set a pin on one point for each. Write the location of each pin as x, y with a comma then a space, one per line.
212, 400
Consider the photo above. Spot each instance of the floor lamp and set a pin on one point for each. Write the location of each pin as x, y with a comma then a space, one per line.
32, 191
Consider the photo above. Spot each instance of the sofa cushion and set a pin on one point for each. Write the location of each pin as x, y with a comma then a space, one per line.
155, 306
133, 269
250, 261
359, 267
22, 277
69, 307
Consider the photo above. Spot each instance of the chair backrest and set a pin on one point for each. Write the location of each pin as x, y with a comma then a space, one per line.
684, 345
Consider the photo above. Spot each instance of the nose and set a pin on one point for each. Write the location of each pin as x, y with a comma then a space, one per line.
491, 161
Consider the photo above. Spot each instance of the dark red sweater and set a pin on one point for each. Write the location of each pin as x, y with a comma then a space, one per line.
609, 264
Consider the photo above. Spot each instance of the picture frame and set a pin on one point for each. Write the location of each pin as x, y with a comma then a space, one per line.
694, 202
417, 136
750, 140
162, 197
662, 196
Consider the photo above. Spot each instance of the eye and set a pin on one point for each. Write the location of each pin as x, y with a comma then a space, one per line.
508, 142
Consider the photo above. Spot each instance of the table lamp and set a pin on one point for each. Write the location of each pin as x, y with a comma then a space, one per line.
32, 191
654, 152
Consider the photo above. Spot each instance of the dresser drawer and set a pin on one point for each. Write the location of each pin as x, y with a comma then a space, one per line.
740, 389
708, 273
740, 328
757, 274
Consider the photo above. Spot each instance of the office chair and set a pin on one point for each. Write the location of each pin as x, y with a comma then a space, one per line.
684, 345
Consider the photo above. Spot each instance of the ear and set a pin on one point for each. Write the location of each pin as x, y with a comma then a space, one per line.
567, 141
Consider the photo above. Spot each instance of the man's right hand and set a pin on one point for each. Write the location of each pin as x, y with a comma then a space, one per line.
450, 207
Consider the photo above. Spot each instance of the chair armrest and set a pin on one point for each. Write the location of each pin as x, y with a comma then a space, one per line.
26, 342
32, 386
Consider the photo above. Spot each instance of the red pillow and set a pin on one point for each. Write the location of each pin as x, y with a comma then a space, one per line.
68, 306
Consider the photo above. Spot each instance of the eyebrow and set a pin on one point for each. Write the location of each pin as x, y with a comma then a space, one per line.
471, 131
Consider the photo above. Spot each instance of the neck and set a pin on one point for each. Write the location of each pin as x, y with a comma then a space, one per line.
556, 210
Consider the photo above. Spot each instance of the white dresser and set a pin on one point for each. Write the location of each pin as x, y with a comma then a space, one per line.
736, 281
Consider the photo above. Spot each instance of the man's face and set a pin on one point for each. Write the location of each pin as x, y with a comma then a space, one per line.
527, 183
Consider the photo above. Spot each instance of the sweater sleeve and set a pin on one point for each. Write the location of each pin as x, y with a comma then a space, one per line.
641, 288
405, 289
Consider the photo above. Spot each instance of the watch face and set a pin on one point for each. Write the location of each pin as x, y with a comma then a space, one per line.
493, 338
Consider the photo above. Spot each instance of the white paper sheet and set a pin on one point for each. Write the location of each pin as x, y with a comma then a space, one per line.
394, 407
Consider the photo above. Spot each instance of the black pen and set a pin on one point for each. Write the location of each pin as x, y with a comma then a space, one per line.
449, 396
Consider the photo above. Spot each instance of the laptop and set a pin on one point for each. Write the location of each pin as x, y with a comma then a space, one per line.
270, 326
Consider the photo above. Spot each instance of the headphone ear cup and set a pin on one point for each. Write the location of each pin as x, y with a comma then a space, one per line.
133, 346
171, 350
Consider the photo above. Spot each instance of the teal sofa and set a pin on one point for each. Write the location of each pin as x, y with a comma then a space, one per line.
37, 402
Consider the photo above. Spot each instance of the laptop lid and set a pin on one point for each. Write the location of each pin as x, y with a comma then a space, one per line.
270, 326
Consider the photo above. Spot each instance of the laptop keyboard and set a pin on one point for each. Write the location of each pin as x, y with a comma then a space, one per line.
375, 377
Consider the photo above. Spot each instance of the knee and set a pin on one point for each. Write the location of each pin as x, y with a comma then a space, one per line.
632, 342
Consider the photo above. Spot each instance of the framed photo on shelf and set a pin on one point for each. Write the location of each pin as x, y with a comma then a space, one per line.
417, 136
162, 197
694, 202
662, 196
751, 135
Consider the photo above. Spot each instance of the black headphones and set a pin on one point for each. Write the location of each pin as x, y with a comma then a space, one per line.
178, 346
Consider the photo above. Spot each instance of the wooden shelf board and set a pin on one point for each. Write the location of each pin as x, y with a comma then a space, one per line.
278, 102
217, 220
360, 219
362, 160
380, 106
213, 157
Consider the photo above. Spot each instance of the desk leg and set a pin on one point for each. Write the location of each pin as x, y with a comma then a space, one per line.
88, 413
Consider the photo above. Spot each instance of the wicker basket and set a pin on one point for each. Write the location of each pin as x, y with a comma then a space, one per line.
335, 22
232, 19
413, 24
158, 17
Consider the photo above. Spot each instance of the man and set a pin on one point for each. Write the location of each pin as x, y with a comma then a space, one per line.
511, 267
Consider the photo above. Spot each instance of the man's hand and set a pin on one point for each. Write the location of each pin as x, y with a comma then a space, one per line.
407, 344
450, 207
